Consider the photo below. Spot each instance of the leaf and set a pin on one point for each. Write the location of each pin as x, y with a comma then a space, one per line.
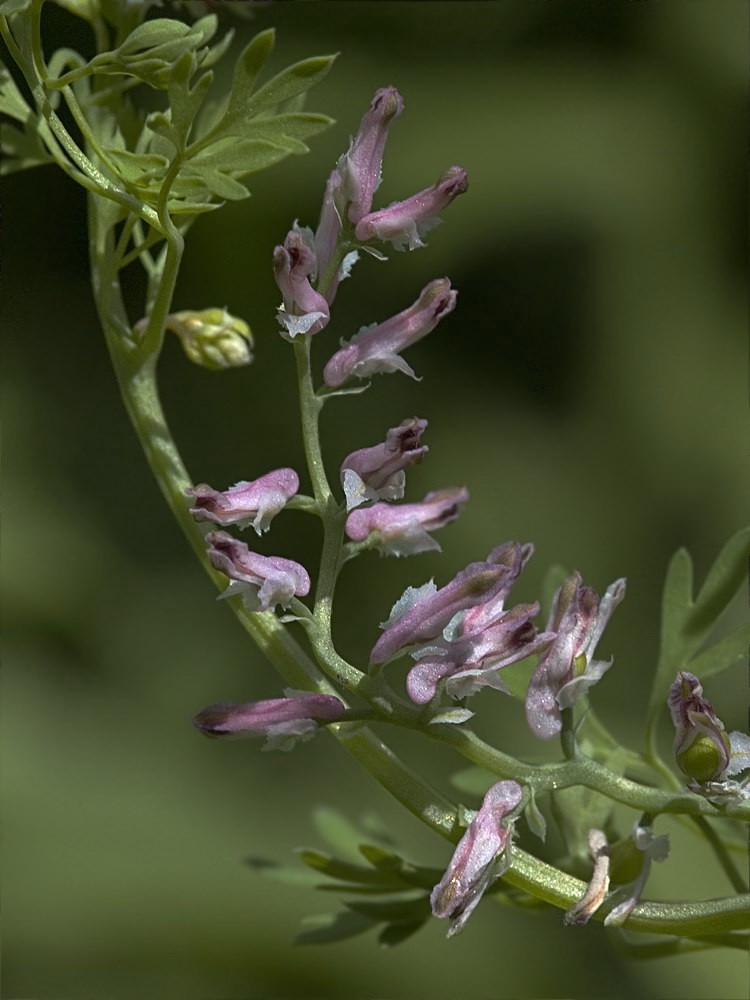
284, 130
360, 890
342, 870
393, 934
413, 875
326, 928
8, 7
160, 32
724, 654
685, 624
219, 183
293, 80
11, 99
137, 168
675, 604
22, 149
184, 101
400, 911
726, 576
246, 71
216, 52
286, 874
83, 8
153, 49
337, 831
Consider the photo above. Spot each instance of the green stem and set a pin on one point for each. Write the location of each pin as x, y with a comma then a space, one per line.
739, 884
582, 771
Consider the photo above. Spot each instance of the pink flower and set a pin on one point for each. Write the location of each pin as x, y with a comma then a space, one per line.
474, 865
404, 528
405, 222
422, 613
360, 166
377, 348
281, 720
377, 473
303, 310
255, 502
264, 581
470, 660
567, 670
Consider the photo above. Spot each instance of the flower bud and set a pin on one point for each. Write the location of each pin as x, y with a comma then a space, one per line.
255, 502
377, 348
263, 581
360, 166
474, 865
377, 473
211, 337
701, 744
303, 310
404, 527
281, 720
405, 222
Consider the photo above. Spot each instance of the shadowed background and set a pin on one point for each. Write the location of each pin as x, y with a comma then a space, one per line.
587, 390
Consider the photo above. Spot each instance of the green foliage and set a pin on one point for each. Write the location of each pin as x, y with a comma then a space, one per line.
386, 873
687, 621
195, 151
8, 7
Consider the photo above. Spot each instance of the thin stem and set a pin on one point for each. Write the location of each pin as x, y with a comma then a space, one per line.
309, 412
739, 884
87, 175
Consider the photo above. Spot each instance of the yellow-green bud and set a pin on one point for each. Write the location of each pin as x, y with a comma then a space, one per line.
212, 338
703, 759
626, 861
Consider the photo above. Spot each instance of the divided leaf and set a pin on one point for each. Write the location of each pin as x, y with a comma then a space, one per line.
686, 623
327, 928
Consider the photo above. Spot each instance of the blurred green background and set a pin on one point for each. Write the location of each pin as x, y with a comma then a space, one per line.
587, 390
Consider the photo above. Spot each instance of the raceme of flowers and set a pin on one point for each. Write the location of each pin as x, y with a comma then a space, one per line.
460, 636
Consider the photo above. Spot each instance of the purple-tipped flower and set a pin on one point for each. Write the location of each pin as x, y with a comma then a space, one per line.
281, 720
470, 661
303, 310
264, 581
482, 854
567, 670
405, 222
422, 613
377, 473
360, 166
404, 528
702, 747
377, 348
255, 502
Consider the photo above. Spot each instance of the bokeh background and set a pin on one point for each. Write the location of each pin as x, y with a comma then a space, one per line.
588, 389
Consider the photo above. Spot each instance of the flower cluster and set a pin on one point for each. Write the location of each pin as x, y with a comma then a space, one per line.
461, 635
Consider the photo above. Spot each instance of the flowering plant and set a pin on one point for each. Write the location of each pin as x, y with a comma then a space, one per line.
462, 634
